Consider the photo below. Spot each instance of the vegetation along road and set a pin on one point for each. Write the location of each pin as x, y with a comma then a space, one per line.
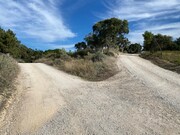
142, 99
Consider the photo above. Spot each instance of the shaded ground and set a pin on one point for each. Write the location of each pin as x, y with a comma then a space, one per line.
141, 99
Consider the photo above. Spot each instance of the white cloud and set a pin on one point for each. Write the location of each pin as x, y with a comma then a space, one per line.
157, 16
37, 19
140, 9
166, 29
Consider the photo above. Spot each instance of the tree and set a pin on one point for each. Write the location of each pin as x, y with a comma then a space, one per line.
3, 47
80, 46
177, 43
107, 33
148, 41
164, 42
134, 48
10, 44
159, 42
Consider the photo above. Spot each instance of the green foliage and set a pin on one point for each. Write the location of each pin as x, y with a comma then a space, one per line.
134, 48
56, 53
92, 41
80, 46
106, 34
159, 42
80, 54
148, 41
164, 42
177, 42
11, 45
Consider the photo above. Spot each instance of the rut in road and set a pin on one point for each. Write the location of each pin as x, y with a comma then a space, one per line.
141, 99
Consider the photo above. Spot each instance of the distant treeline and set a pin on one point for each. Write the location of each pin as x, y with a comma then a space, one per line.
107, 35
110, 33
9, 44
160, 42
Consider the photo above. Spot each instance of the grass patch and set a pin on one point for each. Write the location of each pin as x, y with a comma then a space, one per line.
93, 67
166, 59
8, 72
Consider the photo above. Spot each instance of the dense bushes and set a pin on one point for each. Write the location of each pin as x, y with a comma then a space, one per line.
9, 44
56, 53
133, 48
8, 72
160, 42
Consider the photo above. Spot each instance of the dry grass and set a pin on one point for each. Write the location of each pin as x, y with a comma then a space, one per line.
93, 71
8, 72
86, 68
172, 56
167, 59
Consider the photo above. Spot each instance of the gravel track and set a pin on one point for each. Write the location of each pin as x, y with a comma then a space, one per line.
142, 99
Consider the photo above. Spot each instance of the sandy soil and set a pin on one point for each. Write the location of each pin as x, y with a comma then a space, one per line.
142, 99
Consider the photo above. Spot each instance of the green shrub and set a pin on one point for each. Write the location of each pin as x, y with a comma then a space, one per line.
80, 54
134, 48
98, 56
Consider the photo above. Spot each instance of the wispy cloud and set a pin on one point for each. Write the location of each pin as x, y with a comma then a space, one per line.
36, 19
158, 16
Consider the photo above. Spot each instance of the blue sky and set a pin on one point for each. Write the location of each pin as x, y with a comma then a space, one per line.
50, 24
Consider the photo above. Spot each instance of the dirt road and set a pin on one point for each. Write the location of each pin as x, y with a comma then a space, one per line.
142, 99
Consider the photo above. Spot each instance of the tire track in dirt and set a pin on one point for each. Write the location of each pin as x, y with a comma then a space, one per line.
141, 99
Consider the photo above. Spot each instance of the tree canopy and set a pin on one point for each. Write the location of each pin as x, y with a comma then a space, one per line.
177, 42
108, 33
134, 48
159, 42
11, 45
80, 46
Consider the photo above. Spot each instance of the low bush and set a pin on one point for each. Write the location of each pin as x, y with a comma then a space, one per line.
134, 48
8, 72
98, 56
